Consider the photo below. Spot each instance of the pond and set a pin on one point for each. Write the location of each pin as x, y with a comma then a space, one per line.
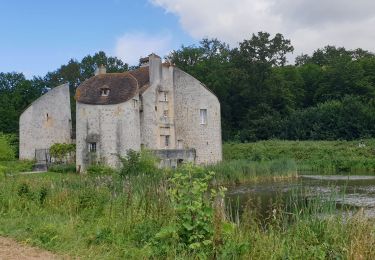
351, 193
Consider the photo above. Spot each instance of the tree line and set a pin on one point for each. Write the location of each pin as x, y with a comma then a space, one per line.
323, 96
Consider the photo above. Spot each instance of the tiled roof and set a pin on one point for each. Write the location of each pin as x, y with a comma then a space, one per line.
122, 87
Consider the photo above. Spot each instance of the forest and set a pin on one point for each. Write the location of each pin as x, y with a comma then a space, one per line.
328, 95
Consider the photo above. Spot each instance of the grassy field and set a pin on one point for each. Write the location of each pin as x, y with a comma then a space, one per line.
134, 214
109, 217
322, 156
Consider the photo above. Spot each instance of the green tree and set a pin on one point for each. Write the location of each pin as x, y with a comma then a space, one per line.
16, 93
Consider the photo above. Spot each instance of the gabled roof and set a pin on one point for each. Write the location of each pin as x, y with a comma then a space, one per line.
122, 87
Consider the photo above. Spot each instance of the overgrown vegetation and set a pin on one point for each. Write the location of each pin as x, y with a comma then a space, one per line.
8, 162
62, 168
321, 156
194, 224
169, 216
62, 152
135, 163
7, 151
247, 170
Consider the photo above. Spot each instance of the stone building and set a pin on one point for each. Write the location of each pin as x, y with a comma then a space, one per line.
45, 122
157, 106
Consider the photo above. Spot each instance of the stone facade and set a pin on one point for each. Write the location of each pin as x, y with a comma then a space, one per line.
113, 128
158, 107
191, 99
172, 158
45, 122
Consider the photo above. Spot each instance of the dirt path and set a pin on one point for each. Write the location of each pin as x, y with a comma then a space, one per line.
12, 250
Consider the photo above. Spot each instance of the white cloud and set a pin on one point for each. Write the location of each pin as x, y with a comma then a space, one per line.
132, 46
309, 24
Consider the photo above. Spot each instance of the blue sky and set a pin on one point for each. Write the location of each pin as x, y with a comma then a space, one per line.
37, 36
40, 35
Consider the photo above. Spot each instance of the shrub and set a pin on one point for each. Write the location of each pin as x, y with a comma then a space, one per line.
138, 163
193, 203
62, 151
7, 151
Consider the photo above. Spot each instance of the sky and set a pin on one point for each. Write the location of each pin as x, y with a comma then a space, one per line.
40, 35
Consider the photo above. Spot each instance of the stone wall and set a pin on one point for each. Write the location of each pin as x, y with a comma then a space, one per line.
190, 96
154, 122
45, 122
175, 157
148, 118
114, 128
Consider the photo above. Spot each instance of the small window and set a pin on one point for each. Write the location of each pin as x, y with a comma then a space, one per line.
163, 96
92, 147
135, 103
203, 115
166, 140
180, 144
165, 113
104, 92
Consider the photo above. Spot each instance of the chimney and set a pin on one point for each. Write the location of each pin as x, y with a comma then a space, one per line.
144, 62
154, 62
100, 70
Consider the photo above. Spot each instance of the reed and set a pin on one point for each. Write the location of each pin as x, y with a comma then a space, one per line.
323, 156
108, 216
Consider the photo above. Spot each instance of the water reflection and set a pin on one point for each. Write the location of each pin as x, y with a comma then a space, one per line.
349, 192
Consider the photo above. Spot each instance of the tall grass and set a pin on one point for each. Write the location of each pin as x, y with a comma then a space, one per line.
84, 215
13, 167
105, 216
241, 171
7, 151
324, 156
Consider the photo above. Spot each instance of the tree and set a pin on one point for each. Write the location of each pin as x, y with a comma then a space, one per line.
16, 93
76, 72
264, 50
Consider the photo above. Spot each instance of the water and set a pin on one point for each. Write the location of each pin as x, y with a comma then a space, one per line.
352, 193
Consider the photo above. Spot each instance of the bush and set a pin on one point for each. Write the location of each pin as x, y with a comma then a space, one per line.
193, 201
7, 151
138, 163
62, 151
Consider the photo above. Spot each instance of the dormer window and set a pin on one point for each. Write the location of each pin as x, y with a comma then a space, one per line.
104, 92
